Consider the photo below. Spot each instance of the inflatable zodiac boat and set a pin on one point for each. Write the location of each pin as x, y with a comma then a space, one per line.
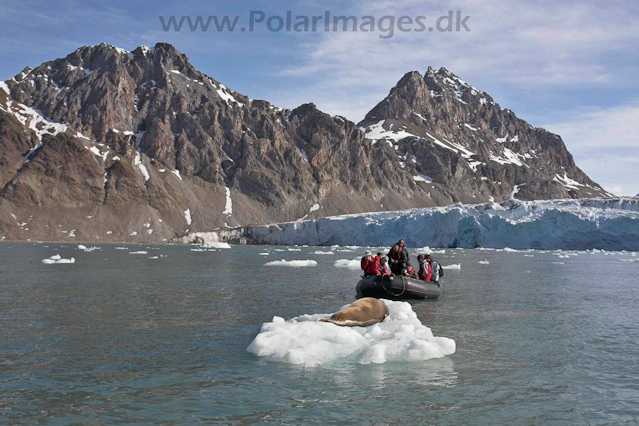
398, 287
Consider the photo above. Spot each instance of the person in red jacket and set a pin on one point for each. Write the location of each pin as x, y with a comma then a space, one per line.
424, 268
428, 260
370, 264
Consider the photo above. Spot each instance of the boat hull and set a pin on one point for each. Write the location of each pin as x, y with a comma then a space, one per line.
398, 287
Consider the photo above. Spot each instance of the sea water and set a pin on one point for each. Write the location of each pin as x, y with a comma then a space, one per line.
141, 333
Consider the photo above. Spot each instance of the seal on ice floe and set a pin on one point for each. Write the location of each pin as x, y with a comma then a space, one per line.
362, 313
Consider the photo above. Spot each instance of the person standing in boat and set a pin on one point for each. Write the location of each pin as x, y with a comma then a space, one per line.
398, 259
404, 251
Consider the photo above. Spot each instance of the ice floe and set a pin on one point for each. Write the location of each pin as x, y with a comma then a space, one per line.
350, 264
293, 263
215, 244
56, 258
455, 266
306, 341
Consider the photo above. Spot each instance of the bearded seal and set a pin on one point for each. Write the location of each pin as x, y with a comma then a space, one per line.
362, 313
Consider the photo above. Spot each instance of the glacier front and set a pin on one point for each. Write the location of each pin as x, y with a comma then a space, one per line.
594, 223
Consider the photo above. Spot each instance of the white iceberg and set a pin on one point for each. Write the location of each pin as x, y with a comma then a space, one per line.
217, 245
306, 341
293, 263
350, 264
56, 258
456, 266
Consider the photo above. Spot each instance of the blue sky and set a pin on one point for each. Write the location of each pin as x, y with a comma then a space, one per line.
570, 67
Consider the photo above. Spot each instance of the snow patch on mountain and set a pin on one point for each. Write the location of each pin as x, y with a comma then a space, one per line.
422, 178
228, 207
137, 161
377, 132
31, 118
567, 182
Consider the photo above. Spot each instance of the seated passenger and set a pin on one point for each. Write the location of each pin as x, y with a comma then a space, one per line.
365, 259
383, 266
370, 264
435, 270
424, 267
410, 272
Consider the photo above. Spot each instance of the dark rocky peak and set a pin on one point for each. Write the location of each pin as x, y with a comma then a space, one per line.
458, 134
314, 120
411, 82
103, 57
408, 95
304, 110
443, 83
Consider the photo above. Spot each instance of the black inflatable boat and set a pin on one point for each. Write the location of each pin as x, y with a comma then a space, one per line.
398, 287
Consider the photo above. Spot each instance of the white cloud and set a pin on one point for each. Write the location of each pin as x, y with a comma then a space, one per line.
605, 144
614, 127
528, 45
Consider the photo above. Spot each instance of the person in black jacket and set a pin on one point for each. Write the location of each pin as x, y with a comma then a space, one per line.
404, 250
398, 259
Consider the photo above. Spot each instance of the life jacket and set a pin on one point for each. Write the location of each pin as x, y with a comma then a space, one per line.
411, 271
383, 269
424, 270
398, 255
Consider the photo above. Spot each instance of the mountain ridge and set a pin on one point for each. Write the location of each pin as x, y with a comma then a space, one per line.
107, 144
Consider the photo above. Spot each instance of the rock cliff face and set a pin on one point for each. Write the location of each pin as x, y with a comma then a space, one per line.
111, 145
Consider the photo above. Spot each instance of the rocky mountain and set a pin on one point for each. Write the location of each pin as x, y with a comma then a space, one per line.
449, 132
111, 145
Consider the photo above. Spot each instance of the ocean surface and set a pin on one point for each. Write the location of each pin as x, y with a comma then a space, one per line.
541, 338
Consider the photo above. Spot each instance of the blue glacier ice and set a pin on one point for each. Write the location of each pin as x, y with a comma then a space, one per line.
596, 223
